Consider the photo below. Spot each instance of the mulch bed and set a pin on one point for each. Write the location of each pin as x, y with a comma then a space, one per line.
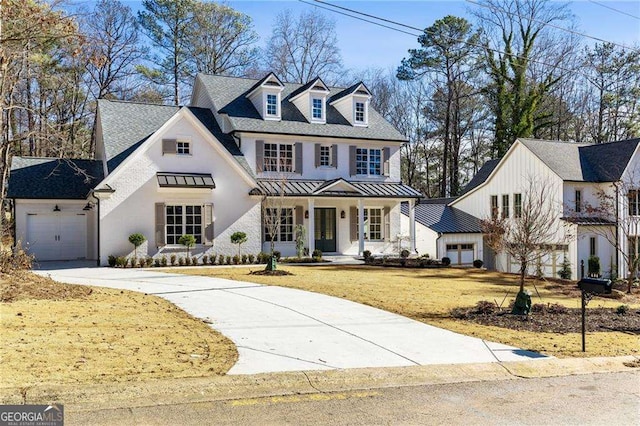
276, 273
598, 319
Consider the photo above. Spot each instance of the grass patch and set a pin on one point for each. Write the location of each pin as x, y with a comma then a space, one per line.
429, 295
62, 333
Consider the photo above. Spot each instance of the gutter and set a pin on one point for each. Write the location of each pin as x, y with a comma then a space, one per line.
437, 240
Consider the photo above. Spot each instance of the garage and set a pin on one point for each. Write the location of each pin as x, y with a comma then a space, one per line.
57, 236
460, 254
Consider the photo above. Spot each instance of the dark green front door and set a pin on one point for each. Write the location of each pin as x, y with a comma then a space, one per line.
325, 229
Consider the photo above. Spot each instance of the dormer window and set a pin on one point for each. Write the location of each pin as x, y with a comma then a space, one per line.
317, 110
359, 117
272, 105
353, 104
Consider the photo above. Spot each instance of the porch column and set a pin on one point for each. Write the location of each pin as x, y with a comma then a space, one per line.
360, 226
412, 225
311, 234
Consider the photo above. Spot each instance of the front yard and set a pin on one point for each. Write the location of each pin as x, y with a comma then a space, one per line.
62, 333
429, 295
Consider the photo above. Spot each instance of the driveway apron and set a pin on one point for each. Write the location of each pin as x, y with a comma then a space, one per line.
282, 329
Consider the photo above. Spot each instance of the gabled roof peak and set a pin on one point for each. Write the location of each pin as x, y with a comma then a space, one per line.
315, 84
357, 89
269, 80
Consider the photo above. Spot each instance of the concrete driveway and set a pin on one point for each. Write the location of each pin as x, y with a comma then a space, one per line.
282, 329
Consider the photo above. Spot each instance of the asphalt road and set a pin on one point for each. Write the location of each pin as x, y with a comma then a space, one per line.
591, 399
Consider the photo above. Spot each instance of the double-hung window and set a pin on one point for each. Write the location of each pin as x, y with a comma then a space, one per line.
272, 105
517, 205
578, 200
359, 112
183, 220
281, 227
325, 155
494, 207
278, 157
316, 109
372, 224
634, 202
368, 161
505, 206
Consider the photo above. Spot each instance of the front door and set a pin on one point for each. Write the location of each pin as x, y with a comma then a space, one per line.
325, 229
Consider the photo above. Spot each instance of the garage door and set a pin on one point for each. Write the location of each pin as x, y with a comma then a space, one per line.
57, 237
460, 254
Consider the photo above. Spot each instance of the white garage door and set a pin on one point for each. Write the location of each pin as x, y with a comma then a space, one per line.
460, 254
57, 237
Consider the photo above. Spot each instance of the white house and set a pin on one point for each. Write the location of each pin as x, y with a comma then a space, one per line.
322, 155
575, 174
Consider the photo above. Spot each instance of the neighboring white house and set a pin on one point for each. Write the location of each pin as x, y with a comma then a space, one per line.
575, 174
218, 166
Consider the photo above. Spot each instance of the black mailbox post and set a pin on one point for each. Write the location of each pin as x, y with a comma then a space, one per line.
589, 287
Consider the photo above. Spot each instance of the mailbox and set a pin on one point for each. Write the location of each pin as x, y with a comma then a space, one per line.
595, 285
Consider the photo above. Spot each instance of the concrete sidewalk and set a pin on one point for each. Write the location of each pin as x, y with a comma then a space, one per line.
280, 329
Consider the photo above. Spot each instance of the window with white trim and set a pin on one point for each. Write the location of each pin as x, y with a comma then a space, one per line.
593, 250
278, 157
359, 112
369, 161
183, 147
316, 109
372, 224
505, 206
517, 205
494, 207
272, 105
578, 194
325, 155
183, 220
634, 202
285, 226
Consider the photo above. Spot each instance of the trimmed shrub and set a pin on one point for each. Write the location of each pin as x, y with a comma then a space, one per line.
156, 262
367, 256
317, 254
251, 259
478, 263
121, 261
149, 261
187, 261
404, 253
227, 260
446, 261
181, 261
163, 260
212, 259
136, 239
205, 259
194, 260
221, 259
244, 259
173, 259
133, 262
236, 259
142, 262
112, 260
594, 266
565, 271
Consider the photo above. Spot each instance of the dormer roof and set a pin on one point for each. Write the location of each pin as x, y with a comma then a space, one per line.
357, 89
270, 80
316, 85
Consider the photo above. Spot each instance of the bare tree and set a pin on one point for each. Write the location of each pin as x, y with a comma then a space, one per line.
529, 235
303, 48
221, 40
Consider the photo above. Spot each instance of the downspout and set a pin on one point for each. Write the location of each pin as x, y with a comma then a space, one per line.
13, 217
98, 229
618, 272
437, 245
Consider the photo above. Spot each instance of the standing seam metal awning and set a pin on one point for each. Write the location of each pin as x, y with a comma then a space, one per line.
185, 180
292, 188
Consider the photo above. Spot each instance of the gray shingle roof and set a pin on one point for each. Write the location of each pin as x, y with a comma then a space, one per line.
442, 218
481, 176
126, 125
229, 97
53, 178
303, 187
584, 162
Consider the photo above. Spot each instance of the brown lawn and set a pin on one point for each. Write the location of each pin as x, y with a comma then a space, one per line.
56, 333
428, 295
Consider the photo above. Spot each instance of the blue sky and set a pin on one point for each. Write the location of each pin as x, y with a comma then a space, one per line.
365, 45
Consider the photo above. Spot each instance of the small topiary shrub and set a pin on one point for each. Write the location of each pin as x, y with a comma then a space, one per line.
478, 263
404, 253
227, 260
221, 259
133, 262
187, 261
622, 310
112, 260
565, 271
367, 256
205, 259
149, 261
212, 259
594, 266
121, 261
136, 239
156, 262
181, 261
173, 259
484, 307
317, 254
251, 259
194, 260
163, 260
236, 259
244, 259
262, 257
446, 261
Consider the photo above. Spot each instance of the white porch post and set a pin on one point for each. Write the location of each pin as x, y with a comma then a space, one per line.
412, 225
360, 226
311, 235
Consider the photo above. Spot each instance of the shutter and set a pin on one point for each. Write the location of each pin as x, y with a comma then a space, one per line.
160, 230
169, 146
317, 147
259, 156
352, 160
353, 214
334, 156
208, 224
386, 153
298, 153
299, 217
387, 224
